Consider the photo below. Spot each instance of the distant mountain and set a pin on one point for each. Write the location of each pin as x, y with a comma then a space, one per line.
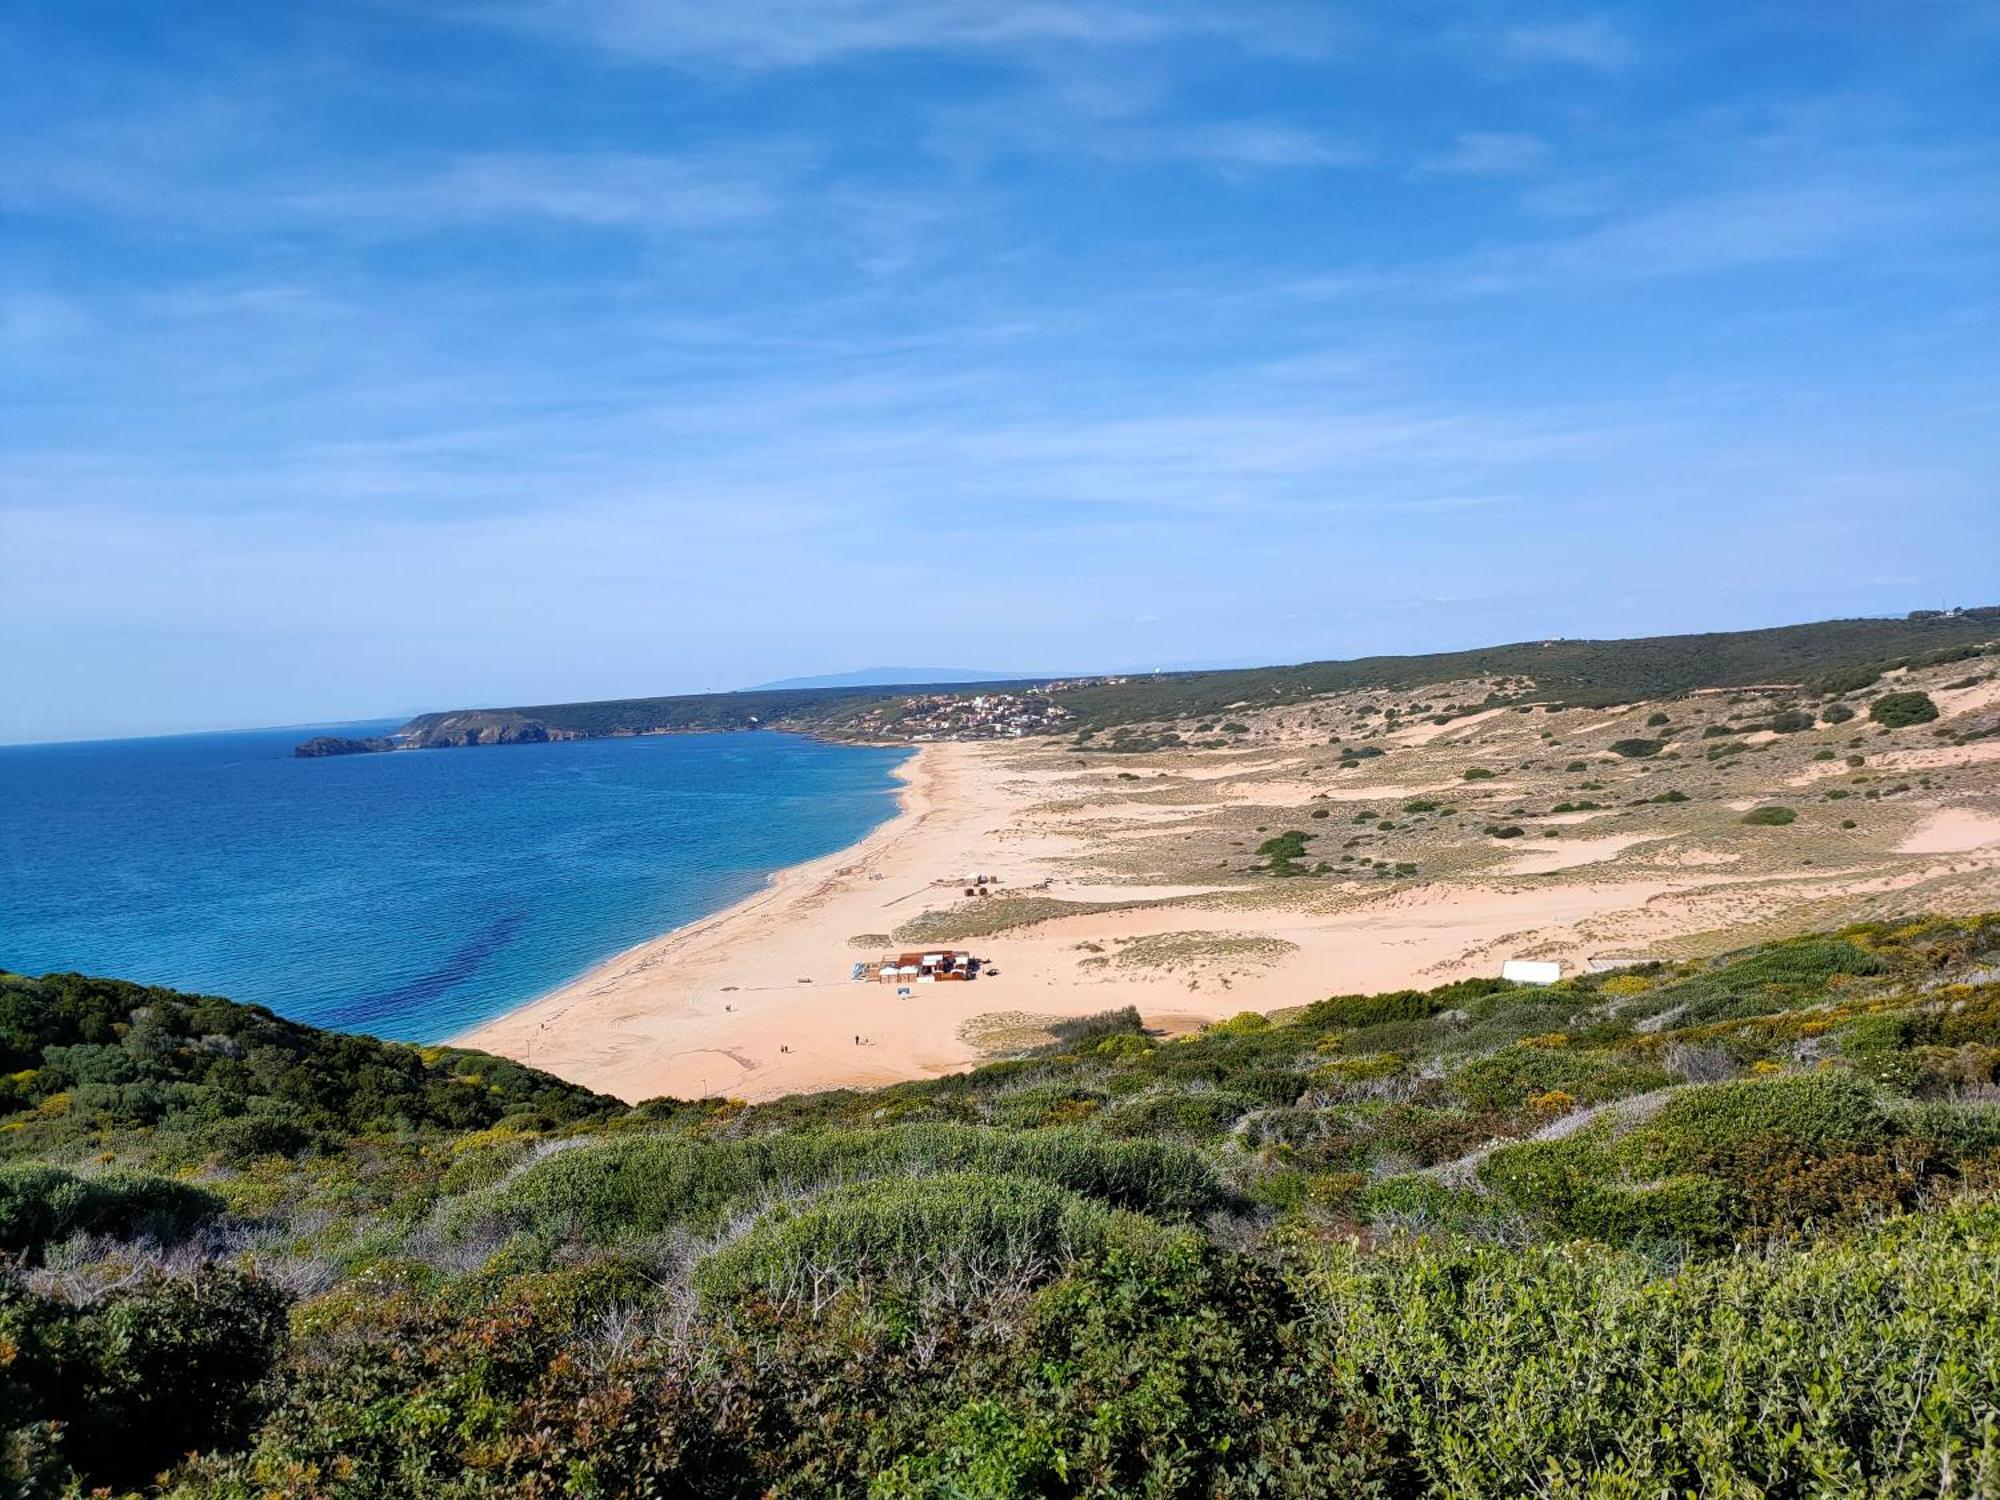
893, 677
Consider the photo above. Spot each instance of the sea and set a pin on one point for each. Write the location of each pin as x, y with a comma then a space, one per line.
408, 894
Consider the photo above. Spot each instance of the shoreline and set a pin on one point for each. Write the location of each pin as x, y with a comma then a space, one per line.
494, 1033
755, 1001
1138, 882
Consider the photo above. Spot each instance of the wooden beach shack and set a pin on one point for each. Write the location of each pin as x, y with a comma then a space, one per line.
926, 967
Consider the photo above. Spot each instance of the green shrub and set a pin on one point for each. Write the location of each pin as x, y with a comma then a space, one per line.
652, 1183
1716, 1161
1355, 1011
1194, 1116
41, 1205
1772, 978
1158, 1369
122, 1386
1285, 849
1637, 749
1080, 1033
1770, 817
1819, 1111
1901, 710
960, 1235
1860, 1366
1509, 1078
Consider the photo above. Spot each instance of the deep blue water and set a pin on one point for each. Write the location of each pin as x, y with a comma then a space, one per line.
409, 894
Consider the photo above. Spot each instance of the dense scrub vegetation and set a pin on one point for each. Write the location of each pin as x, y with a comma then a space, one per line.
1725, 1228
85, 1057
1901, 710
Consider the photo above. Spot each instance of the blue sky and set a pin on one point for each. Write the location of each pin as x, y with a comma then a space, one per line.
359, 358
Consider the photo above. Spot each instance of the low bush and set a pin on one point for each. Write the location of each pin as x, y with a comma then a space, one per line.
1355, 1011
1198, 1116
1720, 1161
1770, 817
649, 1184
41, 1205
958, 1236
117, 1388
1901, 710
1506, 1080
1079, 1033
1867, 1365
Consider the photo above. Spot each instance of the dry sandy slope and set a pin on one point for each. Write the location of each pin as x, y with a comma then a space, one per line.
1165, 908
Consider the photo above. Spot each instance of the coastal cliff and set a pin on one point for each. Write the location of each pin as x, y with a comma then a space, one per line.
336, 744
483, 727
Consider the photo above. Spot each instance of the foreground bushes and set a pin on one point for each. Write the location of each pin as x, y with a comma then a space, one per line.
120, 1386
647, 1185
951, 1238
1118, 1267
1164, 1365
1728, 1161
41, 1205
1861, 1367
1161, 1366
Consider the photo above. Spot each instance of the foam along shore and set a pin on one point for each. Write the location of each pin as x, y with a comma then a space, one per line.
757, 1000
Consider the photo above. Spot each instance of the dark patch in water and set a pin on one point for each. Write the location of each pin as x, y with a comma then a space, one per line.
391, 1005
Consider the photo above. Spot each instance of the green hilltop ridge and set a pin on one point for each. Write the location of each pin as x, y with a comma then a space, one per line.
1828, 654
1724, 1227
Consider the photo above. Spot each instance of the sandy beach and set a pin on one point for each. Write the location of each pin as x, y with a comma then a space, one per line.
1136, 880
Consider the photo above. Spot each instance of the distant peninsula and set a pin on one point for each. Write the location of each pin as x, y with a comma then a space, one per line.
339, 744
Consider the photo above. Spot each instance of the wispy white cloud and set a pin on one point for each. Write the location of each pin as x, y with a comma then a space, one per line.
1249, 144
1594, 41
601, 189
794, 33
1733, 229
765, 34
1484, 153
1055, 124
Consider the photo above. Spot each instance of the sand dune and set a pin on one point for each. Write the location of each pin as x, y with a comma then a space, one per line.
1955, 830
1117, 885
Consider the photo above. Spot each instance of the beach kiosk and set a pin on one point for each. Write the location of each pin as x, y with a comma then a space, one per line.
927, 968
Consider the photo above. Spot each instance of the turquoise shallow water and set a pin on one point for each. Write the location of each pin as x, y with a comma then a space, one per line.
411, 894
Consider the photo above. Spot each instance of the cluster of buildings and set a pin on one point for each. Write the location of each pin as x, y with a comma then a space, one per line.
921, 968
977, 716
1003, 714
